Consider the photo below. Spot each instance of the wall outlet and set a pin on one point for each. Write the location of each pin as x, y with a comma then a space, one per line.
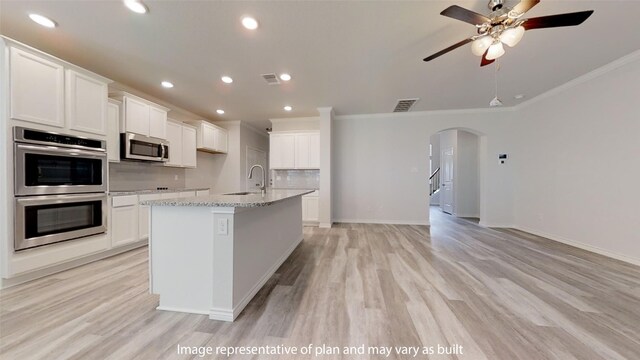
223, 226
175, 177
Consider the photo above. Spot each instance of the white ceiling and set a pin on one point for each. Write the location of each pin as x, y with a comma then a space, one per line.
359, 57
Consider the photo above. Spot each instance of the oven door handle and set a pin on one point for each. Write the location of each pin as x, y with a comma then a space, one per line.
60, 199
57, 150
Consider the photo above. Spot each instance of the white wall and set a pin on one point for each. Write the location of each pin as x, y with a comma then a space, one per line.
578, 171
225, 173
466, 175
257, 139
381, 166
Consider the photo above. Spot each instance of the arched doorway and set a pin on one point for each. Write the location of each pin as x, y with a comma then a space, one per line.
456, 171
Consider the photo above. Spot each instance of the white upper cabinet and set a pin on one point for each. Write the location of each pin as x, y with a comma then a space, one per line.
211, 138
86, 105
174, 136
282, 151
52, 92
37, 89
113, 131
141, 116
182, 145
300, 150
189, 145
157, 122
221, 140
314, 151
136, 116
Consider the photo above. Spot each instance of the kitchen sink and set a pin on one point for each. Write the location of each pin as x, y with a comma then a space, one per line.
243, 193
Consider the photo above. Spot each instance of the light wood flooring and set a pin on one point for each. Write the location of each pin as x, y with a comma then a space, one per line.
498, 294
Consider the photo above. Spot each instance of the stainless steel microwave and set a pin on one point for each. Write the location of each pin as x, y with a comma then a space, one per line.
143, 148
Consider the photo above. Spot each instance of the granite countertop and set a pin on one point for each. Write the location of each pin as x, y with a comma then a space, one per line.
151, 191
221, 200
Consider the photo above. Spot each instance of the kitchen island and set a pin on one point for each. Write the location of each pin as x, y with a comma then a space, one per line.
210, 255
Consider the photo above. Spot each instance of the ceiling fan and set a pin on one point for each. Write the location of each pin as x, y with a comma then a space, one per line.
504, 25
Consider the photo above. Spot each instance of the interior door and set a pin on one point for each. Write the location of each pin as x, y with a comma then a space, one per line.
446, 181
256, 156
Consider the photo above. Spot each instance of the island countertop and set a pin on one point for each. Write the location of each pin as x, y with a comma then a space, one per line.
223, 200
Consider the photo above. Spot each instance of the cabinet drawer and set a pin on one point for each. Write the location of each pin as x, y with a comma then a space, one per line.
127, 200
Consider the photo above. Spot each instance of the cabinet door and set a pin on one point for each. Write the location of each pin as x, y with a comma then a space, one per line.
287, 150
136, 116
37, 89
208, 137
144, 214
113, 132
279, 146
221, 140
274, 151
86, 103
302, 151
124, 225
174, 136
314, 151
157, 123
188, 147
312, 209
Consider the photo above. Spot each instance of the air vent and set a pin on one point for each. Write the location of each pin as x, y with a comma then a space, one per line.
271, 79
405, 105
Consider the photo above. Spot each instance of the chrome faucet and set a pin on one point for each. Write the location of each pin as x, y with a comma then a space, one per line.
262, 186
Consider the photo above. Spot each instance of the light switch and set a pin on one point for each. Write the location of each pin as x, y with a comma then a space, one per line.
223, 226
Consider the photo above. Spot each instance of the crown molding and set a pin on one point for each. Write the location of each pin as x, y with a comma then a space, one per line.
296, 120
427, 113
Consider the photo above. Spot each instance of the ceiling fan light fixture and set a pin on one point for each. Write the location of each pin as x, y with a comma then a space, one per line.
495, 51
512, 36
481, 44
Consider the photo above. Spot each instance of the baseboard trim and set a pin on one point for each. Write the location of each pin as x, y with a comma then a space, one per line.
42, 272
495, 225
325, 225
579, 245
232, 314
182, 310
385, 222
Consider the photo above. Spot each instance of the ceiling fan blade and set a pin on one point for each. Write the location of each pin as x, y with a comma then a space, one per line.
524, 6
568, 19
485, 61
452, 47
462, 14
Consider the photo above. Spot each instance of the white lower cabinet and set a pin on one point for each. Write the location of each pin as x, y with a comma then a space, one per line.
124, 220
310, 207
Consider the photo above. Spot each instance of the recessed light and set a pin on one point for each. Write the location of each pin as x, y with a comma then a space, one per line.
249, 23
136, 6
167, 84
285, 77
42, 20
288, 108
220, 111
519, 96
226, 79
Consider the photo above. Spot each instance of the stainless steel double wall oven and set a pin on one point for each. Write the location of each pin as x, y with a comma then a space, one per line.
60, 186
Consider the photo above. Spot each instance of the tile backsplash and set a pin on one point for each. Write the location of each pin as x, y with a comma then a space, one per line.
295, 179
136, 175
